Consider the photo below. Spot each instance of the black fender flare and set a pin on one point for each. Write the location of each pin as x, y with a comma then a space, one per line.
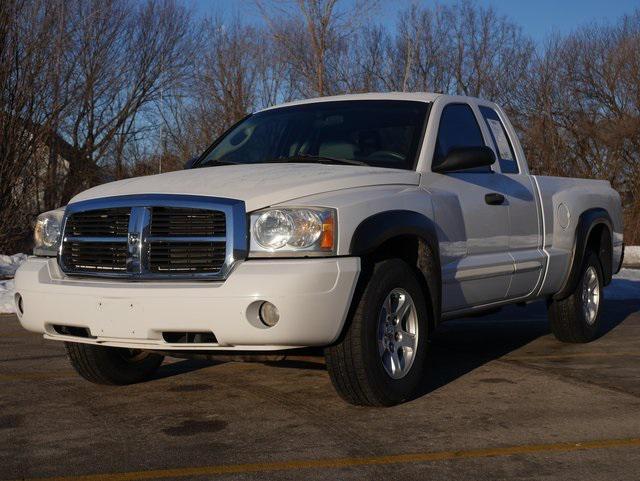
379, 228
587, 221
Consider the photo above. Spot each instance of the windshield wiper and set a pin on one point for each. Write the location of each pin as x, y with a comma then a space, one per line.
213, 163
321, 159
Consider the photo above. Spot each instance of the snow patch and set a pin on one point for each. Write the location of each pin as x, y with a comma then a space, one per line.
624, 286
7, 291
628, 274
9, 264
8, 267
631, 256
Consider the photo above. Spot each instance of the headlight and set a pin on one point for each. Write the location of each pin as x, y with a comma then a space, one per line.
293, 232
47, 233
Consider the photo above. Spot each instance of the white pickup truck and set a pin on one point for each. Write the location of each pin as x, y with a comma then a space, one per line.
357, 223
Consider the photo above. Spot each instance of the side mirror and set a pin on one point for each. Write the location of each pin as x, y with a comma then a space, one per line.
189, 163
465, 158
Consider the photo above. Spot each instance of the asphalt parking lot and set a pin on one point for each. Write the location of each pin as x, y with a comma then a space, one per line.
503, 400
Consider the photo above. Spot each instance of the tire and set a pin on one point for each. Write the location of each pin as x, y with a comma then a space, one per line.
112, 365
568, 318
355, 363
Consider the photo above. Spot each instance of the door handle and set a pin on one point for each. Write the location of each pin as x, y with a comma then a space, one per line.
494, 198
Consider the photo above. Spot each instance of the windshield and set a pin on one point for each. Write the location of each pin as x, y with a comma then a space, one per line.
381, 133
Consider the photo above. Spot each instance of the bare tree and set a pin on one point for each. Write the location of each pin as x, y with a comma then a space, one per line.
420, 57
583, 114
312, 36
128, 55
459, 48
490, 56
30, 103
95, 90
228, 84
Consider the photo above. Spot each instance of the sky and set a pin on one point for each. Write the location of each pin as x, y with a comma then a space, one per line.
538, 18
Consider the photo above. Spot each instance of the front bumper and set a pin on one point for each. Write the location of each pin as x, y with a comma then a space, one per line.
312, 295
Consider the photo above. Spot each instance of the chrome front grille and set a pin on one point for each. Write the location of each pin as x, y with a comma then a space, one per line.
154, 237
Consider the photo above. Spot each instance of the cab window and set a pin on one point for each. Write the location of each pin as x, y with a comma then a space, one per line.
458, 128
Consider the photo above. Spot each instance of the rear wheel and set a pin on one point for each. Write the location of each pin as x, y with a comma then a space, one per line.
576, 318
379, 360
112, 365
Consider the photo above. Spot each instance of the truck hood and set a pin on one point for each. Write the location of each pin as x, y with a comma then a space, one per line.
258, 185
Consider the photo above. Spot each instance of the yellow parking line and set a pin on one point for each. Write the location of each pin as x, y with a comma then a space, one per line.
348, 462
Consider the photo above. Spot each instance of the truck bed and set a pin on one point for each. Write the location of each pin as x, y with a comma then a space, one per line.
561, 202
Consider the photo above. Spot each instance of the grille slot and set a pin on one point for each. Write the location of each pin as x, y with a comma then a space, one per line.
179, 222
186, 257
189, 337
95, 256
99, 223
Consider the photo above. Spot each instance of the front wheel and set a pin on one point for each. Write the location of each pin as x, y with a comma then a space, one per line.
379, 360
576, 319
112, 365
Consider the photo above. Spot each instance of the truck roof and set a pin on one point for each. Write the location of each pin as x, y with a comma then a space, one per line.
415, 96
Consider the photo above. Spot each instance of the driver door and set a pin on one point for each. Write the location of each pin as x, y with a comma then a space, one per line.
472, 216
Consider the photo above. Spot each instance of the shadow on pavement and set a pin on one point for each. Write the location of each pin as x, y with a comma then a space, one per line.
460, 346
457, 347
614, 312
316, 364
182, 367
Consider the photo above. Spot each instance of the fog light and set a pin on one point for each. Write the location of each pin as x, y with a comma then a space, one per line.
19, 304
269, 315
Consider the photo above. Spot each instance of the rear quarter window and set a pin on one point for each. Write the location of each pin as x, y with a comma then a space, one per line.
501, 141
